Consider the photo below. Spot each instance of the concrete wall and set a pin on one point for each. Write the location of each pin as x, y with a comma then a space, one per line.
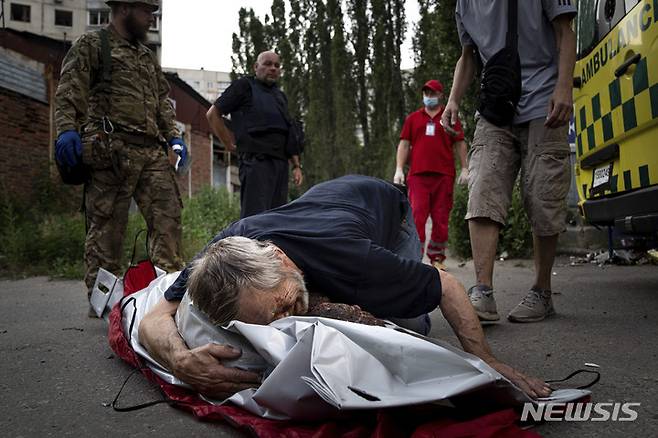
42, 18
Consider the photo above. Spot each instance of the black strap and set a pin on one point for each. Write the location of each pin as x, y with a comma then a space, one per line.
575, 373
512, 38
104, 86
139, 406
83, 207
146, 246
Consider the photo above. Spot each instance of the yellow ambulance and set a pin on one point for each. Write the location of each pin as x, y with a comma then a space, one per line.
616, 113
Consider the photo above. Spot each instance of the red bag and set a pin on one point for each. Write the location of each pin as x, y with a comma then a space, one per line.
139, 275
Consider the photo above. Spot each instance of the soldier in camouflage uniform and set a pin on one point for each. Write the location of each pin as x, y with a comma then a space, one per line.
116, 131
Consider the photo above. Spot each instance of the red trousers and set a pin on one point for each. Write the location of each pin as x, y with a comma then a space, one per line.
431, 194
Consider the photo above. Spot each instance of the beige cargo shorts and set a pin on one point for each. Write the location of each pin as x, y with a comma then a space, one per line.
541, 154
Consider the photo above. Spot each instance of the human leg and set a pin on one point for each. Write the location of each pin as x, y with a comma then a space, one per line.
159, 201
440, 206
107, 200
419, 198
257, 184
546, 177
493, 165
280, 178
484, 240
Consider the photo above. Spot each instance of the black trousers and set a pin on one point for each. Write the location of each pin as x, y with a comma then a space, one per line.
263, 183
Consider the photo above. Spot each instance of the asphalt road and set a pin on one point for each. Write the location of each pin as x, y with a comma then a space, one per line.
57, 372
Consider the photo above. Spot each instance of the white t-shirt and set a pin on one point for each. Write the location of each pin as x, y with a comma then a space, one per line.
483, 23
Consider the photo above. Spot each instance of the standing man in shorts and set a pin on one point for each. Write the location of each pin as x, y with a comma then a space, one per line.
535, 143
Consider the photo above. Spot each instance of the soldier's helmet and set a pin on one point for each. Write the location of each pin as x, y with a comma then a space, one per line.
155, 4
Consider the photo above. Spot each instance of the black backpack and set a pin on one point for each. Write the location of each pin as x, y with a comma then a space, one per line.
500, 89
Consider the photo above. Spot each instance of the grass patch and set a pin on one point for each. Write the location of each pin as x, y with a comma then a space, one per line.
44, 238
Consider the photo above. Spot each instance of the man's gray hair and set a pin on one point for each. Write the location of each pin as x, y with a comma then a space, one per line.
229, 267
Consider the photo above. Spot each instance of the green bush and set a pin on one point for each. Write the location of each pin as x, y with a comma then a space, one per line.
459, 241
46, 238
515, 237
205, 215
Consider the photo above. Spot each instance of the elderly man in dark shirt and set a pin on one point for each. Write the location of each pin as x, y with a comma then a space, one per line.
350, 239
261, 128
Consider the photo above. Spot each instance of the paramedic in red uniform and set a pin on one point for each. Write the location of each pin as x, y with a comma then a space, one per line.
429, 148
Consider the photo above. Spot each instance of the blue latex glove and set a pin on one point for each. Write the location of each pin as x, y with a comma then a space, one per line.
68, 148
180, 149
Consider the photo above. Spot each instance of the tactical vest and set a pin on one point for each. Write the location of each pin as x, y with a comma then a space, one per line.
266, 113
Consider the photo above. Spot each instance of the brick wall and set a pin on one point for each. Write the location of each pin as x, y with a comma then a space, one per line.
201, 169
25, 133
200, 172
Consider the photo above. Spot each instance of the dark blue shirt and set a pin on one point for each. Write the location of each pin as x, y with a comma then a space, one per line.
342, 234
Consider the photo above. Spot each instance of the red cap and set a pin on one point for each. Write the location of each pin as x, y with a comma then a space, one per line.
433, 85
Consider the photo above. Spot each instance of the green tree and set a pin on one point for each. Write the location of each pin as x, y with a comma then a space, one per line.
248, 44
319, 122
436, 51
387, 101
360, 37
343, 92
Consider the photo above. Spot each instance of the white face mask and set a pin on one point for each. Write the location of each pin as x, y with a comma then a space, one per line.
430, 102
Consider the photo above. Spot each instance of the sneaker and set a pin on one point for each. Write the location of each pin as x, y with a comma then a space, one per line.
483, 302
535, 306
439, 265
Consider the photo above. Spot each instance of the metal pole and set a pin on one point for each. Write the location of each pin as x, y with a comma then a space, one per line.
2, 14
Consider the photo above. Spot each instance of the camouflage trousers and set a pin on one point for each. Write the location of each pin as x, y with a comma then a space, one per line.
145, 174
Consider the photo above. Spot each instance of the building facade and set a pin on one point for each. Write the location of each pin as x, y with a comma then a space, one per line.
29, 73
62, 20
66, 20
210, 84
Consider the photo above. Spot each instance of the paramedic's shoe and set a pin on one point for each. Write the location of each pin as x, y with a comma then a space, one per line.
439, 265
535, 306
483, 302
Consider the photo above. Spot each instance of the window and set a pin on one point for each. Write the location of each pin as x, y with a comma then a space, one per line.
63, 18
156, 24
596, 18
20, 12
209, 84
586, 27
99, 17
630, 4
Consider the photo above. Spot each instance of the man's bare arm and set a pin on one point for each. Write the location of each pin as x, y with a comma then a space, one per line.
462, 78
459, 313
199, 367
219, 128
402, 154
561, 102
400, 160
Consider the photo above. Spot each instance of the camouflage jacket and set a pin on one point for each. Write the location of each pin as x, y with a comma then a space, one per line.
138, 101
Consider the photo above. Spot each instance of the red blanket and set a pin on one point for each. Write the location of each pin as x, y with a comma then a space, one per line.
424, 421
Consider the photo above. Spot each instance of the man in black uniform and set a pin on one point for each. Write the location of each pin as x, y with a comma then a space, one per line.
262, 131
351, 239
